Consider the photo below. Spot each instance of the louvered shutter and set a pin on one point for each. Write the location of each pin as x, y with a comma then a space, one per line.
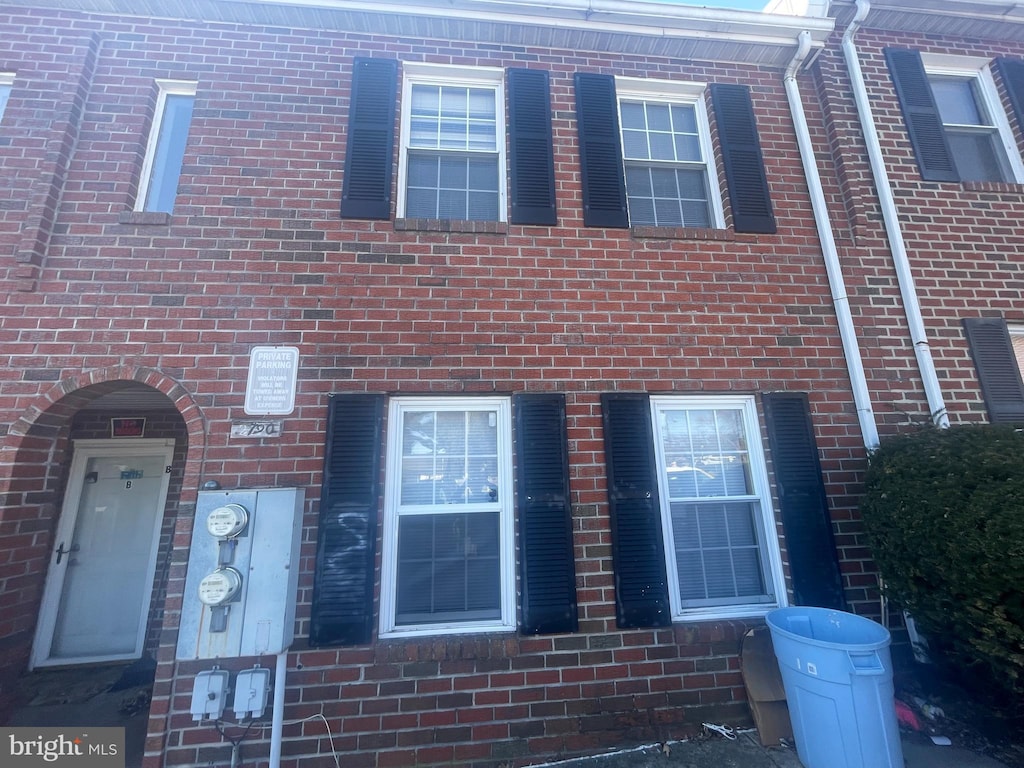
597, 125
547, 571
921, 115
810, 541
742, 159
531, 156
342, 610
1012, 72
638, 548
996, 364
366, 193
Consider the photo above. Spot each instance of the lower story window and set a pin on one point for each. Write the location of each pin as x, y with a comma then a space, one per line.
721, 551
448, 530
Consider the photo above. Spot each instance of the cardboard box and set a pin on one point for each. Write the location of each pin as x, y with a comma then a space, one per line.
765, 692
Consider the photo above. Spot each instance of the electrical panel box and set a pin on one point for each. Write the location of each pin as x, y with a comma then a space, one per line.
243, 572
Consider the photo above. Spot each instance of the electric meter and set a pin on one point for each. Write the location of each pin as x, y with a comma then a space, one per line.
227, 521
220, 586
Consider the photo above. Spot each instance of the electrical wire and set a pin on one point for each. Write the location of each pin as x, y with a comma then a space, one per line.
327, 726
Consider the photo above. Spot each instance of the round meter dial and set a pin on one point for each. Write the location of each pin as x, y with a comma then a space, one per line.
227, 521
220, 586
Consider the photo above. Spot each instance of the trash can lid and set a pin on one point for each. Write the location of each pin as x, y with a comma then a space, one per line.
828, 628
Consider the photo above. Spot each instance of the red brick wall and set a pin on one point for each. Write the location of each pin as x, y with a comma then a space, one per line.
257, 254
961, 238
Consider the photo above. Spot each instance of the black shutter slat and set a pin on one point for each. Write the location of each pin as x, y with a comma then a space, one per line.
602, 176
638, 548
742, 159
810, 540
342, 606
547, 568
366, 192
1012, 72
921, 115
531, 156
996, 364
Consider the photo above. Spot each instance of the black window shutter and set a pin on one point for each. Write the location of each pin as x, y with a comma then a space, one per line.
921, 115
1012, 72
1000, 378
638, 549
741, 156
547, 570
597, 125
810, 541
366, 193
342, 610
531, 157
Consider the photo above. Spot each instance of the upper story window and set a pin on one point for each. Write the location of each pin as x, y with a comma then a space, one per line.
664, 148
1017, 340
452, 162
973, 119
6, 86
716, 509
165, 150
448, 517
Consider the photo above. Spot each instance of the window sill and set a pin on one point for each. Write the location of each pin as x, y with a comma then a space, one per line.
993, 186
154, 218
451, 225
681, 233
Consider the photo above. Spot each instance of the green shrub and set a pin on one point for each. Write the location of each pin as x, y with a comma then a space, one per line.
944, 516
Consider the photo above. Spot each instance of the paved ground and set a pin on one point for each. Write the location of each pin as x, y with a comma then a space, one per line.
746, 752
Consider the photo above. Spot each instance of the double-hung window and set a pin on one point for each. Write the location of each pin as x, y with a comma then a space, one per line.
165, 151
452, 163
717, 519
448, 525
973, 120
665, 150
6, 86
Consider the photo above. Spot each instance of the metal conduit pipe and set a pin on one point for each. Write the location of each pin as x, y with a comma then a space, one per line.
904, 275
822, 220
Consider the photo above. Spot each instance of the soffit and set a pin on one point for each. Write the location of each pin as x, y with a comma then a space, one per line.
617, 26
982, 19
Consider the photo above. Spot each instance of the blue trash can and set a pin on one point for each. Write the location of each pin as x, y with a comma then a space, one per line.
837, 673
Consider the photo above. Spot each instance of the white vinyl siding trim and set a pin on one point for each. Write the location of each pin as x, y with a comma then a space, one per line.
735, 558
433, 491
1017, 340
482, 153
699, 158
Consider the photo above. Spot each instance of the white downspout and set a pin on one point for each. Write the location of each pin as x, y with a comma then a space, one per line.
840, 299
904, 275
277, 721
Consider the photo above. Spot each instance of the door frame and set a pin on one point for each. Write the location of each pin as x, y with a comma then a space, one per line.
49, 605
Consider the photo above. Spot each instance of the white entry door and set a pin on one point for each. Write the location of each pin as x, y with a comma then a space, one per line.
100, 578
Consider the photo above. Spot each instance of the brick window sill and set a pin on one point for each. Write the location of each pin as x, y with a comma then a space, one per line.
148, 218
993, 186
681, 233
452, 225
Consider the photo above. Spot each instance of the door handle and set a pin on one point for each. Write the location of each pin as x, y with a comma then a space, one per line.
61, 551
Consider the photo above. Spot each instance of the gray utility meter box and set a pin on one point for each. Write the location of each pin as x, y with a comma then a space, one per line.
243, 574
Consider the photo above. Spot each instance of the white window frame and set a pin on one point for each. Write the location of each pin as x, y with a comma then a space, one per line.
392, 493
418, 73
166, 88
6, 86
766, 527
681, 92
980, 71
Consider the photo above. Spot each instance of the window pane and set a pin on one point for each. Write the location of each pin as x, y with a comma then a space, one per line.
634, 145
423, 170
667, 213
956, 102
718, 559
5, 94
633, 115
688, 148
662, 147
170, 152
976, 156
684, 118
421, 204
448, 568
